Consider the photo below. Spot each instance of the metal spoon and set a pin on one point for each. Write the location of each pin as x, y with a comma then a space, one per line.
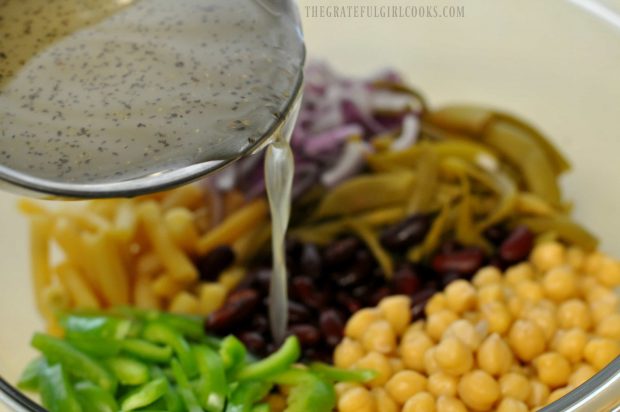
135, 96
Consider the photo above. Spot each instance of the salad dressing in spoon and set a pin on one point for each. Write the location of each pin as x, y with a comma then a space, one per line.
103, 98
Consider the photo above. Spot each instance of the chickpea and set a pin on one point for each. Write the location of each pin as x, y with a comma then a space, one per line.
277, 403
342, 387
608, 272
512, 405
517, 306
357, 399
519, 273
515, 386
420, 402
453, 356
604, 306
404, 384
529, 290
478, 390
609, 326
397, 364
430, 362
412, 350
570, 343
378, 362
497, 316
360, 321
441, 383
379, 337
450, 404
574, 313
384, 402
493, 292
558, 393
539, 393
581, 373
545, 319
435, 304
548, 255
460, 296
526, 339
437, 323
600, 351
465, 332
486, 276
395, 310
593, 261
553, 369
560, 283
494, 355
576, 258
347, 353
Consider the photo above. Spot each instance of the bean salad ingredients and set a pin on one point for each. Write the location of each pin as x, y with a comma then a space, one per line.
510, 341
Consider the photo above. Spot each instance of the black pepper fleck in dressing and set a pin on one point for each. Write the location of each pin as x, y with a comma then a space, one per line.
95, 91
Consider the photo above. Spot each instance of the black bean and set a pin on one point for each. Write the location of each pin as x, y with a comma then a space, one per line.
419, 300
260, 323
255, 342
304, 291
447, 278
378, 295
407, 233
310, 262
238, 307
332, 324
405, 280
341, 251
307, 334
464, 262
495, 234
517, 245
213, 263
297, 312
348, 302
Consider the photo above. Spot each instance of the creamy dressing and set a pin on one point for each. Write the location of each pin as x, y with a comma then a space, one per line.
103, 91
100, 91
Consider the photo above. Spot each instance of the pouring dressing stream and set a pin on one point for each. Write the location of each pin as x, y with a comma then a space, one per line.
118, 98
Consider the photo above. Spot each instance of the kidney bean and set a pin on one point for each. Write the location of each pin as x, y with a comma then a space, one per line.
307, 334
237, 308
405, 281
517, 245
254, 341
297, 312
407, 233
450, 246
213, 263
332, 324
310, 261
341, 251
463, 262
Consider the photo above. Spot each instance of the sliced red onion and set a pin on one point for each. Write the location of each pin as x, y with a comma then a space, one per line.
328, 140
350, 163
409, 134
215, 200
385, 100
352, 114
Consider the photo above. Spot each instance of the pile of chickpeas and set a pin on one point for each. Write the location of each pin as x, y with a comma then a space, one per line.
509, 342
